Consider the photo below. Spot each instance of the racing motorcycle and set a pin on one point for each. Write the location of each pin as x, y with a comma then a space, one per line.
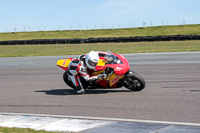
118, 72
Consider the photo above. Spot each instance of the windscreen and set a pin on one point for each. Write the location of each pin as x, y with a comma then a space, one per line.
112, 59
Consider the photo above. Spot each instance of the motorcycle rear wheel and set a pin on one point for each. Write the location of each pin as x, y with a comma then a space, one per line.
135, 81
67, 80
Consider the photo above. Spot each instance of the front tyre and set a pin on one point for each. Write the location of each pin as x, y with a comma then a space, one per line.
134, 81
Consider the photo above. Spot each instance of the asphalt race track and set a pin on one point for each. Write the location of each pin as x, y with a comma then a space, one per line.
35, 85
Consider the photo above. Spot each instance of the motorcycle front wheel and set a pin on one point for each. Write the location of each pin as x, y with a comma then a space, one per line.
134, 81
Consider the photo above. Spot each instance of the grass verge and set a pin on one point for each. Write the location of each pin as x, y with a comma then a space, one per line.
21, 130
126, 32
74, 49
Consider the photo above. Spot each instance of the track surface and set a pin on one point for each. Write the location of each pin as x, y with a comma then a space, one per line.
35, 85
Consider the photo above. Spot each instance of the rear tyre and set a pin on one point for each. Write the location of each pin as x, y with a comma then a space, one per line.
134, 81
67, 80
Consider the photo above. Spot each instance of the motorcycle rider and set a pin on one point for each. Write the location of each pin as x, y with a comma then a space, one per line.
79, 67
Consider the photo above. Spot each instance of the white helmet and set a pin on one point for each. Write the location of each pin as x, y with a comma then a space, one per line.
91, 59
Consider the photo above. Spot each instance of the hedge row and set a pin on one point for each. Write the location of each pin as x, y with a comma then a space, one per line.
103, 40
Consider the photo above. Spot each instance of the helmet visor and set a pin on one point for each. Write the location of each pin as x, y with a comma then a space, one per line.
92, 63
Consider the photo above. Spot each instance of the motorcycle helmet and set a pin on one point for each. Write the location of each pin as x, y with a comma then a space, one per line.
91, 59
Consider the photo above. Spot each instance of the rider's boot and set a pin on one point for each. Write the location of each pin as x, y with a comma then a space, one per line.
81, 91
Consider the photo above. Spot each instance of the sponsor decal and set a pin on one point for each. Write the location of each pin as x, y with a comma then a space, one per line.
115, 79
64, 62
118, 69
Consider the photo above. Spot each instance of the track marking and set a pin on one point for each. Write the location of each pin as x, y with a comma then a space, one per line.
39, 122
162, 129
107, 119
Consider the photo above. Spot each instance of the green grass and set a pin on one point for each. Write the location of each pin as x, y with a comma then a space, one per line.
74, 49
132, 47
128, 32
21, 130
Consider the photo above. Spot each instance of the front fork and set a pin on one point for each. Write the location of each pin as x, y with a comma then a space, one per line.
127, 80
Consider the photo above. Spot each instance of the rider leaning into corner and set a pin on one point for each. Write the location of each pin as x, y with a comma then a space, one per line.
80, 65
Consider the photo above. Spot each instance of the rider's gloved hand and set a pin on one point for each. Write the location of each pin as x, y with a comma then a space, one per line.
101, 76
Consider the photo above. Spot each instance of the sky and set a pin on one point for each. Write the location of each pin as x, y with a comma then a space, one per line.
34, 15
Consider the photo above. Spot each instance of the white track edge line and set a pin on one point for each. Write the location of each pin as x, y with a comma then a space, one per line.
107, 119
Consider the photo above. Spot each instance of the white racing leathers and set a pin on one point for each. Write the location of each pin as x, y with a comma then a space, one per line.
78, 68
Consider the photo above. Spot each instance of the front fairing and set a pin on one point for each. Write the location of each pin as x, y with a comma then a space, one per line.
118, 62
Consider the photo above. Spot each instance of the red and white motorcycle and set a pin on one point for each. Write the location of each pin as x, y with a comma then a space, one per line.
118, 72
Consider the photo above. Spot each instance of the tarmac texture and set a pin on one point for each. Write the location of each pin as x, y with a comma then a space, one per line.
35, 85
